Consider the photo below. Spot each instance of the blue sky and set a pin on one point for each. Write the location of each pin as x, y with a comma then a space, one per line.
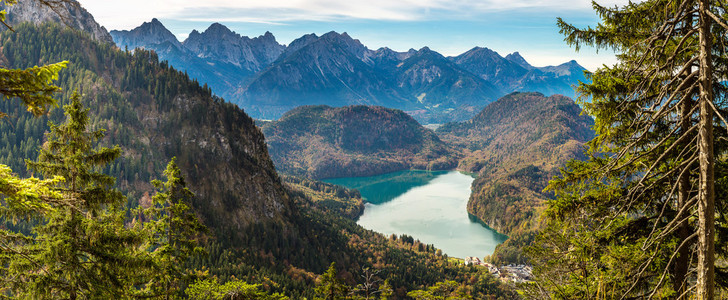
447, 26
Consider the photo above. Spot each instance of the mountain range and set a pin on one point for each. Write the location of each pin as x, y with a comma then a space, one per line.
267, 78
265, 231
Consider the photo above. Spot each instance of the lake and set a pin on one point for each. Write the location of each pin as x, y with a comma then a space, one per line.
427, 205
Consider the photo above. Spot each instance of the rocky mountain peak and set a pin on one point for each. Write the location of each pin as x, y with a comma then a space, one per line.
482, 53
219, 43
516, 58
219, 30
70, 13
299, 43
147, 34
267, 36
489, 65
570, 68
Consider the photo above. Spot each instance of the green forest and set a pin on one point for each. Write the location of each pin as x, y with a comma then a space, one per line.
91, 211
123, 178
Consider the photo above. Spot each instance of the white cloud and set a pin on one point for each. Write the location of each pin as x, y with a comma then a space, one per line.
130, 13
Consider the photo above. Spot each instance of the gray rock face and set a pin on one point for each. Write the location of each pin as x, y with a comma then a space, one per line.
513, 73
516, 57
490, 66
219, 57
148, 34
267, 79
220, 44
71, 14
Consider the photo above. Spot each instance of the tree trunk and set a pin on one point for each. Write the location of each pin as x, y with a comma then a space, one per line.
706, 193
682, 262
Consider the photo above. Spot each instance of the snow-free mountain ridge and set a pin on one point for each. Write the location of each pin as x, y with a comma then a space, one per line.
267, 78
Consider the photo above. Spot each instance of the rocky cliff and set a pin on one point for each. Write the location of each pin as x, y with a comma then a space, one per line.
218, 43
155, 113
70, 13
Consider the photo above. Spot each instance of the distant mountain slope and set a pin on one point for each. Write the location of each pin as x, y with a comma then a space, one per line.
331, 70
147, 35
217, 57
514, 74
516, 145
324, 142
218, 43
439, 84
267, 79
68, 13
489, 65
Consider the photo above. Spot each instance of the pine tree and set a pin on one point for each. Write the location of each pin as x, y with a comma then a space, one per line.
80, 249
211, 289
34, 86
329, 287
627, 222
174, 232
24, 198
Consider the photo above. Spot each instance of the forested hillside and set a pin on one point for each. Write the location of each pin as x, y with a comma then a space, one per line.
154, 113
259, 230
516, 145
325, 142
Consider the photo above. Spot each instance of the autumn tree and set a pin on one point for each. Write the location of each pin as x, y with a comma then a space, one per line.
637, 218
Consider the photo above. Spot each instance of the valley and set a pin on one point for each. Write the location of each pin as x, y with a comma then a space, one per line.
351, 150
315, 155
429, 206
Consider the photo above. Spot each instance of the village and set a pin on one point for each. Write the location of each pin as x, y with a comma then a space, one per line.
509, 273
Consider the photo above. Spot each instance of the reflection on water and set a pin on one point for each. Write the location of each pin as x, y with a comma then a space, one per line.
382, 188
430, 206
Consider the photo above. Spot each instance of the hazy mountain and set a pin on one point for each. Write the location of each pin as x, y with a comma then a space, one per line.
325, 142
217, 57
514, 74
333, 69
218, 43
516, 57
267, 79
440, 84
551, 80
490, 66
149, 35
337, 70
68, 13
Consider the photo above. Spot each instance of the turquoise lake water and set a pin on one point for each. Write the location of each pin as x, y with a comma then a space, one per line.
429, 206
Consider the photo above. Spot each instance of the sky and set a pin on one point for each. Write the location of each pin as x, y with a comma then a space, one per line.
450, 27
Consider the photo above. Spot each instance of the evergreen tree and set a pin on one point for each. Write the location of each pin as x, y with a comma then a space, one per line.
34, 86
329, 286
211, 289
80, 249
174, 231
628, 222
442, 290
